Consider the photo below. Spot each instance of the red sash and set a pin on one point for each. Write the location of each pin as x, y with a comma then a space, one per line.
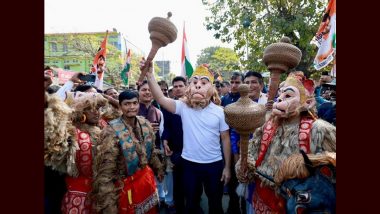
270, 130
75, 199
304, 134
265, 200
266, 139
139, 194
84, 154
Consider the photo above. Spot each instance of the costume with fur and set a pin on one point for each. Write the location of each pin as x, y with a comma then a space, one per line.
78, 186
286, 132
60, 141
109, 112
124, 180
60, 146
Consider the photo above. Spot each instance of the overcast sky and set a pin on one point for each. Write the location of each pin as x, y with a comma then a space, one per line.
131, 18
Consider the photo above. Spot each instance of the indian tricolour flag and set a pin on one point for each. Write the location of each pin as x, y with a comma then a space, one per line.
187, 69
125, 72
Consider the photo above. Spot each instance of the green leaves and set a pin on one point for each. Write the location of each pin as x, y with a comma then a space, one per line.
219, 58
270, 20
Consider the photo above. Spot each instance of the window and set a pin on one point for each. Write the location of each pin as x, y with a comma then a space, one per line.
66, 67
54, 47
64, 47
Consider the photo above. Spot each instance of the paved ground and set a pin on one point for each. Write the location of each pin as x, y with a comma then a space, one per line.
204, 204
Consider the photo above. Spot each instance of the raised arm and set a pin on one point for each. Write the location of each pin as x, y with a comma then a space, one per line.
68, 85
165, 102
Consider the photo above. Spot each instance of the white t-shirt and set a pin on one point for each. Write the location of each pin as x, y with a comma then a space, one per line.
201, 132
263, 99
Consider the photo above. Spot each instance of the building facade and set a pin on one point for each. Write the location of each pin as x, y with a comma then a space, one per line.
65, 50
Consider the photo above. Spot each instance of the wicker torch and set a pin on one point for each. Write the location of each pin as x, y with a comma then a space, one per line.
162, 32
280, 57
245, 116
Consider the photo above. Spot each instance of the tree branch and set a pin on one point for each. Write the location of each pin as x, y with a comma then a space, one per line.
265, 3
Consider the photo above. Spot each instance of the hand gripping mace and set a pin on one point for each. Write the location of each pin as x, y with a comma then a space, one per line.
162, 32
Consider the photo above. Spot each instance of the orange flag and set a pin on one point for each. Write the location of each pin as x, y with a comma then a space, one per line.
102, 51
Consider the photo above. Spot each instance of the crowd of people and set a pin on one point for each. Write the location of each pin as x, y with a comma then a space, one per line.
160, 148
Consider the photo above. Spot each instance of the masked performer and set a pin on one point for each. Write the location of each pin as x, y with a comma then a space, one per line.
85, 119
203, 125
271, 161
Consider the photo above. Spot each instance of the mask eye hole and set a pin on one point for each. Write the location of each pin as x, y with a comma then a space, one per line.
303, 197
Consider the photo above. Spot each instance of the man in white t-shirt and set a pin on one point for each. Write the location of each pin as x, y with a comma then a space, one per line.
203, 125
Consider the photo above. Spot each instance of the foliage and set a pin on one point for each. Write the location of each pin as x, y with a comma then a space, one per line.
206, 55
219, 58
168, 78
268, 21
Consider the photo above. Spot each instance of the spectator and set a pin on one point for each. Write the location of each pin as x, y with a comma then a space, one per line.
225, 88
156, 118
235, 205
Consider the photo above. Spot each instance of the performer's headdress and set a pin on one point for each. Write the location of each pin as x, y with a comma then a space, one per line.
203, 71
83, 100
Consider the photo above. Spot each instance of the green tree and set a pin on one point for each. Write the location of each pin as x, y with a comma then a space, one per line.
206, 55
219, 58
168, 78
258, 23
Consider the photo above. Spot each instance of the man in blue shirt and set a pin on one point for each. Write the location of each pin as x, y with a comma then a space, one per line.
231, 97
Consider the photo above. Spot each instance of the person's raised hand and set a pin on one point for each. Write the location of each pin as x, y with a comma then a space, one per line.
75, 78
